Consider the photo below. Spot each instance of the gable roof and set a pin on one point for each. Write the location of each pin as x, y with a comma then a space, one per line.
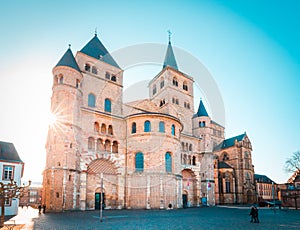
222, 165
229, 142
68, 60
94, 48
263, 179
170, 58
9, 153
201, 111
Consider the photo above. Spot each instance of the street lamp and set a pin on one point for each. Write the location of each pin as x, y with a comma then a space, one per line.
10, 190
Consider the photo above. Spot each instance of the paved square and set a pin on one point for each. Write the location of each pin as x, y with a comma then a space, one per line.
192, 218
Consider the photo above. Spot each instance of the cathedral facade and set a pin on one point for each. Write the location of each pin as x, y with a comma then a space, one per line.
151, 153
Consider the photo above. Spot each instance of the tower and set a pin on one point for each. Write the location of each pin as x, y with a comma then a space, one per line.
62, 170
172, 91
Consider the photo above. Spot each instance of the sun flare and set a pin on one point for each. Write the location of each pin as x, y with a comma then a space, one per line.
52, 119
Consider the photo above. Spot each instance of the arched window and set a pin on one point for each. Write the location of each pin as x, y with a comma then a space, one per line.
133, 127
100, 146
161, 126
77, 83
139, 162
185, 159
227, 184
225, 157
91, 100
61, 80
185, 87
107, 75
110, 130
168, 162
162, 83
94, 70
96, 127
87, 67
173, 130
194, 160
182, 146
177, 101
154, 90
107, 145
103, 128
175, 82
190, 147
107, 105
114, 78
55, 80
147, 126
91, 143
115, 147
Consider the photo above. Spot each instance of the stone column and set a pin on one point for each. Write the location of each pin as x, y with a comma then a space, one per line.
83, 178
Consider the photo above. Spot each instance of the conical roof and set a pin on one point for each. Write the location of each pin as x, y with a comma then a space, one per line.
68, 60
170, 58
94, 48
201, 110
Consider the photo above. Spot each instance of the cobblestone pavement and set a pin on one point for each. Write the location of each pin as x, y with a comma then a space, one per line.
220, 217
192, 218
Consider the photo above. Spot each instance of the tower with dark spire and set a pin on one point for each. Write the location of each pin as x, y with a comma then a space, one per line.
172, 90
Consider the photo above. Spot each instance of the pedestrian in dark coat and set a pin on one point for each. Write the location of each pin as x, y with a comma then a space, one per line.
40, 208
256, 220
44, 208
252, 214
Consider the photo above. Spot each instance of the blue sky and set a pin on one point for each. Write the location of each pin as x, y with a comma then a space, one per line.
251, 48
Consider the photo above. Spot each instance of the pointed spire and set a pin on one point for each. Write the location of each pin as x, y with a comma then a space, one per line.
94, 48
170, 57
68, 60
201, 110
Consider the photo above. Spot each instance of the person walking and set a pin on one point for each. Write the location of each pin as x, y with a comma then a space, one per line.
40, 208
252, 214
256, 220
44, 208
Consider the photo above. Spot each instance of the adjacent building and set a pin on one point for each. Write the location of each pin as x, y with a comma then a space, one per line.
151, 153
11, 169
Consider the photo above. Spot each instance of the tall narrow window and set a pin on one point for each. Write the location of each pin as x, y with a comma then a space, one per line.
107, 75
107, 145
168, 162
91, 143
227, 183
161, 126
154, 90
99, 144
185, 87
107, 105
91, 100
147, 126
96, 127
110, 130
115, 147
175, 82
173, 130
194, 160
139, 162
77, 83
133, 127
8, 172
103, 128
162, 83
94, 70
87, 67
61, 80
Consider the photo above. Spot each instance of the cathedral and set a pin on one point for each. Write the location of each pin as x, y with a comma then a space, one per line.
154, 153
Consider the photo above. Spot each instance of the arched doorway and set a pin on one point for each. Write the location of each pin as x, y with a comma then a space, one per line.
189, 188
109, 192
249, 197
98, 196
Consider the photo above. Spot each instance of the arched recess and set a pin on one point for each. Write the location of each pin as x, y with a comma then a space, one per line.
189, 188
110, 184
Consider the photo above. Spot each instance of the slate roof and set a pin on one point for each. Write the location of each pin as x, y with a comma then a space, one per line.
170, 58
94, 48
68, 60
229, 142
223, 165
263, 179
201, 111
9, 153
